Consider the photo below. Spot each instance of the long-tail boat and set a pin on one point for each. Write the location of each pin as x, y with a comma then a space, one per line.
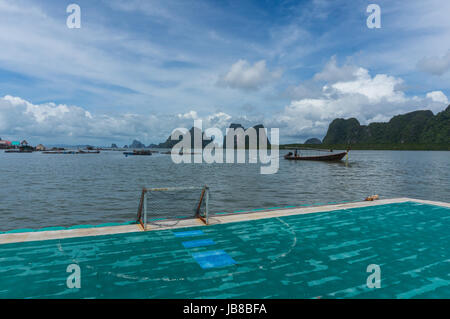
298, 156
140, 152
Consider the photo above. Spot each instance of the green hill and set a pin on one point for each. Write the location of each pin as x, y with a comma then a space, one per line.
234, 126
169, 143
418, 127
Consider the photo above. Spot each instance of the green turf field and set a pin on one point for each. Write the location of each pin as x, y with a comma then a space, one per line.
318, 255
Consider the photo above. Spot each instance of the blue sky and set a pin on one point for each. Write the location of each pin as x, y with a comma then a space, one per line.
138, 69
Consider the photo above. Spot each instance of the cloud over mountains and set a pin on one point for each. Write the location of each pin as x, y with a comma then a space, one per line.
243, 75
435, 65
337, 91
137, 69
350, 91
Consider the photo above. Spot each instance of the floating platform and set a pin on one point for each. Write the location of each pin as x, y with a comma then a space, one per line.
71, 152
291, 252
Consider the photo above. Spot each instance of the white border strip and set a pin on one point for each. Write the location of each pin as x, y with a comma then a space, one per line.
214, 220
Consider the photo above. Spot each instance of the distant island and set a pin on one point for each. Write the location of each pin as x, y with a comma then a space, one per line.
313, 141
418, 130
169, 143
259, 130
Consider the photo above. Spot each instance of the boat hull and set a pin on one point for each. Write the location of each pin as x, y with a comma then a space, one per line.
145, 153
325, 158
18, 151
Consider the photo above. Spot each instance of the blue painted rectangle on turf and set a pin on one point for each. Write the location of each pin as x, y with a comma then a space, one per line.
198, 243
188, 233
213, 258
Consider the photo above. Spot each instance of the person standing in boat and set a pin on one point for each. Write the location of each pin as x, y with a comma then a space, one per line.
295, 153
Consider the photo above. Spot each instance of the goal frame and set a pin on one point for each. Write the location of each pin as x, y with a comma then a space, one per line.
142, 214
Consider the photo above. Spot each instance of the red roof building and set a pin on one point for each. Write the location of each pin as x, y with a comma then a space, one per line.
5, 144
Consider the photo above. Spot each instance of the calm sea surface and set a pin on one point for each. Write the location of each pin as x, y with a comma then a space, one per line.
39, 190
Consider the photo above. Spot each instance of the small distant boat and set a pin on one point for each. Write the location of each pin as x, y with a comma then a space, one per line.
71, 152
142, 153
180, 153
327, 158
19, 151
58, 152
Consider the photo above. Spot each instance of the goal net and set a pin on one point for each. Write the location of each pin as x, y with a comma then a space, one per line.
167, 206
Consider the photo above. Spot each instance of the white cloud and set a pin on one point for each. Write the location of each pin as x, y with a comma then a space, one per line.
110, 66
377, 88
306, 89
348, 80
189, 115
435, 101
220, 120
308, 117
243, 75
333, 73
438, 96
435, 65
365, 97
59, 123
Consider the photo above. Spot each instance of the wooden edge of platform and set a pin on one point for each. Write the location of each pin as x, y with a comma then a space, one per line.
10, 238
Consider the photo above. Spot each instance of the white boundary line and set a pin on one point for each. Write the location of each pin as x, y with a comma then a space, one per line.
214, 220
